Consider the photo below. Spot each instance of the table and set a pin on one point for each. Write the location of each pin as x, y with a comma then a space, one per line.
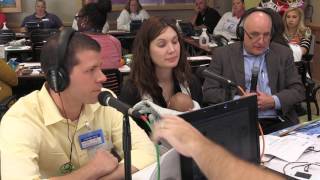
307, 135
194, 48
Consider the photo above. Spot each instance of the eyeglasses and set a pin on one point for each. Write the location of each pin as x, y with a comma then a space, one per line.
77, 17
255, 36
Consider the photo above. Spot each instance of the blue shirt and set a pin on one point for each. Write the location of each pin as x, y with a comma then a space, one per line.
251, 61
50, 21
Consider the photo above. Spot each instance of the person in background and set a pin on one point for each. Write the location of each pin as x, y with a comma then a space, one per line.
228, 23
213, 160
102, 3
132, 11
91, 19
49, 20
61, 131
205, 16
159, 67
278, 86
2, 19
295, 30
8, 78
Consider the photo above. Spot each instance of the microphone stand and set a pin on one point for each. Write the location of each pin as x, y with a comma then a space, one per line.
126, 143
228, 95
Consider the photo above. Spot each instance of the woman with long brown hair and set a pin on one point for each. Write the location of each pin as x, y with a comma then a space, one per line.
159, 68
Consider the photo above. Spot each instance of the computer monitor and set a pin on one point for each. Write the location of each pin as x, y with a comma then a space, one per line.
135, 25
232, 124
34, 25
187, 28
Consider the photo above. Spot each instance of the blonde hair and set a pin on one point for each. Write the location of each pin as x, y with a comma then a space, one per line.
302, 30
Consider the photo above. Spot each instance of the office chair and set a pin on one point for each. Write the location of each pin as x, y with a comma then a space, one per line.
219, 39
114, 80
7, 36
310, 86
38, 38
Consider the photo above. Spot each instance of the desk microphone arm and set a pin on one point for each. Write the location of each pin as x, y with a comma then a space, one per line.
226, 82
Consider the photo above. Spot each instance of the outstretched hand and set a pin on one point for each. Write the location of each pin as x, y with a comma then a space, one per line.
179, 133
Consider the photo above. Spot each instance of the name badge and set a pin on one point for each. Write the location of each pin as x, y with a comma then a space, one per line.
90, 139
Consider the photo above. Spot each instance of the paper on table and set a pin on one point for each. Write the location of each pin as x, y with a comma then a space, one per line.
311, 157
124, 68
30, 64
195, 37
14, 48
212, 44
169, 168
195, 58
288, 148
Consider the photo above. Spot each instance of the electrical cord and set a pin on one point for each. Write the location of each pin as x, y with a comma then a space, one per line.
67, 167
263, 142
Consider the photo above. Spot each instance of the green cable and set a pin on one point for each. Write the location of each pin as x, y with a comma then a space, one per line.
157, 152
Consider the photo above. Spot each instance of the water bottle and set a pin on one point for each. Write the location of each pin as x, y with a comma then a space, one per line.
5, 26
13, 63
204, 38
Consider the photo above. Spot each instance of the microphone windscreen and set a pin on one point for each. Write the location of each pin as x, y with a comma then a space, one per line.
102, 97
254, 79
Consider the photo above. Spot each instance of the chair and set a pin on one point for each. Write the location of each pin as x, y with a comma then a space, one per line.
7, 36
6, 104
219, 39
310, 86
114, 80
38, 38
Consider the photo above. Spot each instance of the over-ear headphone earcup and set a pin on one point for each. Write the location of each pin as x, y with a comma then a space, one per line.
240, 33
57, 75
57, 79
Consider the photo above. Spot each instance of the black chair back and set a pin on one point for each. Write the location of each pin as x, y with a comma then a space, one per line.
7, 36
114, 80
38, 38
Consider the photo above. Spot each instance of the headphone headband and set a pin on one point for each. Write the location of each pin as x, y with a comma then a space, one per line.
240, 28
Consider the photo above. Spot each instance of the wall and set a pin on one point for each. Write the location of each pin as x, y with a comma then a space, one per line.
70, 8
66, 9
57, 6
316, 12
251, 3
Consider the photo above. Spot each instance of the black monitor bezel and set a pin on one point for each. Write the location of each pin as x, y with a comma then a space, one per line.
216, 110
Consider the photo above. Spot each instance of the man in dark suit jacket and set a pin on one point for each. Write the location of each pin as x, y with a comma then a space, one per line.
279, 86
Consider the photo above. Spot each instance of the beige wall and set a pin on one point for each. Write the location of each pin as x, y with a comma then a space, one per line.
66, 9
316, 12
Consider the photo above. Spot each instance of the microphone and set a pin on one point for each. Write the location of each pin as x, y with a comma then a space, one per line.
219, 78
105, 98
254, 79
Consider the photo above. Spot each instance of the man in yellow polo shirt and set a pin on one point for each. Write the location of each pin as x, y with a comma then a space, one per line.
61, 131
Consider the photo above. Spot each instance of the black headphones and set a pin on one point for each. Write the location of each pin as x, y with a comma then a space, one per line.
58, 77
240, 28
